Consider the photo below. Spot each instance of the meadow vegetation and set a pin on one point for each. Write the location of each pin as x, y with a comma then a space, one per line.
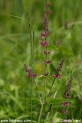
18, 95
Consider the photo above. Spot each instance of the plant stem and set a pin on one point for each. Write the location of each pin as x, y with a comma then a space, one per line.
38, 91
40, 113
49, 109
45, 79
51, 87
48, 113
31, 39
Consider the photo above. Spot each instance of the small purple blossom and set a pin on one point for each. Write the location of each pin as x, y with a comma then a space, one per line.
29, 72
44, 43
65, 103
26, 68
67, 91
57, 75
29, 75
66, 96
60, 65
34, 75
45, 34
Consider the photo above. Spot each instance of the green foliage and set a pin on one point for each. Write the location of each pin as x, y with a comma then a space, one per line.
15, 87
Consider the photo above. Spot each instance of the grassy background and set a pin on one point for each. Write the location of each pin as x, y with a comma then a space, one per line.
15, 51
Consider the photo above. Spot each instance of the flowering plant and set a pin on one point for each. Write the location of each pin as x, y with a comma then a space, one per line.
44, 42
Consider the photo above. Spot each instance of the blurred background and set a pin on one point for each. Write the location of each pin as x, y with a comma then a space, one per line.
65, 24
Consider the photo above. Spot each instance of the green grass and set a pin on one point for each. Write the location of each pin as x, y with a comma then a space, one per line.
15, 87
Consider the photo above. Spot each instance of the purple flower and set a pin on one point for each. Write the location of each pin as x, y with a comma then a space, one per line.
67, 91
45, 34
26, 68
29, 72
65, 103
44, 43
57, 75
60, 65
29, 75
34, 75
